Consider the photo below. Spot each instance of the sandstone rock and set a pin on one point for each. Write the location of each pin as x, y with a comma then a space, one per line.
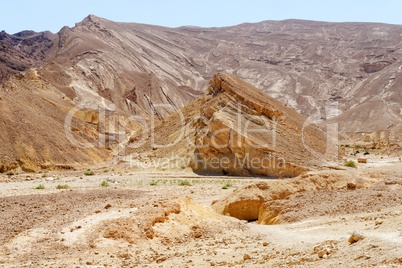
246, 257
378, 222
245, 132
356, 236
351, 186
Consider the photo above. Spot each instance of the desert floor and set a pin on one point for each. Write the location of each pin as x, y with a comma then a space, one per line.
144, 219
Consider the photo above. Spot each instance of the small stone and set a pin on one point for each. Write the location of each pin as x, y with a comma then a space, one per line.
162, 259
265, 244
108, 206
351, 186
321, 253
197, 234
356, 236
378, 222
246, 257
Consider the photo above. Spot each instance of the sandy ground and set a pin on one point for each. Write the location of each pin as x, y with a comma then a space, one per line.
165, 220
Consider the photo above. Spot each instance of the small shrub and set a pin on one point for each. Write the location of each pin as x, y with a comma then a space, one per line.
184, 183
44, 175
105, 184
357, 152
153, 183
366, 153
65, 186
350, 163
40, 187
89, 172
106, 171
227, 185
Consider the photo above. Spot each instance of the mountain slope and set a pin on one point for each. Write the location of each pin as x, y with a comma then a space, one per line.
329, 68
313, 67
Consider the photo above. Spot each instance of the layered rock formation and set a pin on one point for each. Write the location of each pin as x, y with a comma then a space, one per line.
236, 129
242, 131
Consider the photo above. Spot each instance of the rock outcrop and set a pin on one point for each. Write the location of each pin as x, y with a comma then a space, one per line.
236, 129
253, 202
242, 131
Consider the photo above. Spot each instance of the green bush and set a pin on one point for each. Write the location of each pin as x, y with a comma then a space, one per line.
184, 183
153, 183
44, 175
40, 187
350, 163
89, 172
65, 186
105, 184
366, 153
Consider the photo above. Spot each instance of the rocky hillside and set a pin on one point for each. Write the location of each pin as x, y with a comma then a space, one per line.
347, 73
329, 68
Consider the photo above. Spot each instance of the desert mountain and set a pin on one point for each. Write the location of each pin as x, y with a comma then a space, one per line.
112, 77
313, 67
330, 68
24, 50
234, 129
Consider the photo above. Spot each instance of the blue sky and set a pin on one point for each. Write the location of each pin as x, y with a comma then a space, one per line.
39, 15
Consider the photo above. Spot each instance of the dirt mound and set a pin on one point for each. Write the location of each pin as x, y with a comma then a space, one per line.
21, 213
130, 229
313, 204
252, 202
